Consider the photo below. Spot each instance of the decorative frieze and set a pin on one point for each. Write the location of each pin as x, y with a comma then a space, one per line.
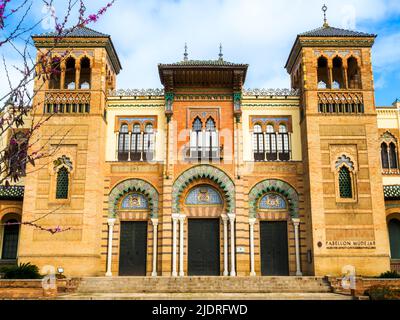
136, 93
67, 97
271, 92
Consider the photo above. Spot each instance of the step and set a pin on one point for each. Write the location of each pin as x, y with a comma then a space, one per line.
205, 296
203, 285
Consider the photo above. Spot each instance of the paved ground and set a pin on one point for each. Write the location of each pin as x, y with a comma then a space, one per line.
204, 296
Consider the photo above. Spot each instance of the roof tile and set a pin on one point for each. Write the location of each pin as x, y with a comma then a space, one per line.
334, 32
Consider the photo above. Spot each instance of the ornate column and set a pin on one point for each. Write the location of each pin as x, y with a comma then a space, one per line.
330, 74
155, 239
175, 218
296, 224
264, 144
181, 244
233, 248
225, 221
142, 144
346, 79
111, 223
117, 145
62, 78
77, 75
252, 222
130, 146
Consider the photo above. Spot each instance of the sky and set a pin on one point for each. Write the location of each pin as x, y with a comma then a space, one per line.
257, 32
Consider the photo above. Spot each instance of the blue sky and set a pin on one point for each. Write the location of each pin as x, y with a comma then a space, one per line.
257, 32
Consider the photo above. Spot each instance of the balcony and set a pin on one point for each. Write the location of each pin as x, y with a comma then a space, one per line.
67, 101
340, 102
139, 156
204, 154
391, 172
273, 156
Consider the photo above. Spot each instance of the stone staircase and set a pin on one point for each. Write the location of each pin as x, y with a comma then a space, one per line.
165, 288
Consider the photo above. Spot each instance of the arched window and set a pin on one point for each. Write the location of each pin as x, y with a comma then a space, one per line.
338, 73
62, 188
148, 142
17, 152
272, 201
394, 236
271, 144
353, 74
204, 196
393, 156
211, 149
323, 73
55, 74
85, 76
10, 240
283, 143
196, 140
136, 151
258, 143
345, 183
70, 74
197, 125
134, 201
123, 143
384, 156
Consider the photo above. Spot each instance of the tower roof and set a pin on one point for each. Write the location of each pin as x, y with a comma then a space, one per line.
75, 38
78, 32
328, 36
327, 31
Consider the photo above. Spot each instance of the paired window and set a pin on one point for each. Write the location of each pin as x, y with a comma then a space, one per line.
389, 154
338, 73
204, 140
271, 145
17, 154
138, 145
74, 75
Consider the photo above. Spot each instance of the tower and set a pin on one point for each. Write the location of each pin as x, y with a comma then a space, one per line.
345, 204
64, 191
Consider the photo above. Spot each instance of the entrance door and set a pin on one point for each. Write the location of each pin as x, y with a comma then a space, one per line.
203, 247
133, 249
274, 249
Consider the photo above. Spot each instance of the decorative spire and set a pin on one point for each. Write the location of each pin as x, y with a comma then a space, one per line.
221, 56
185, 55
325, 9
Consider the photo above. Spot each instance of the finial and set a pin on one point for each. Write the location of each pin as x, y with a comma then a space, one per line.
325, 9
185, 55
221, 56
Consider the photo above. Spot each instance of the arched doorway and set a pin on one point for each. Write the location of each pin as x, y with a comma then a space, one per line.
203, 204
133, 204
274, 217
203, 207
273, 235
394, 236
10, 237
133, 211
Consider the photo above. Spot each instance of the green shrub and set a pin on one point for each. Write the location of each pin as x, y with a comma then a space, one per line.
390, 275
22, 271
383, 293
